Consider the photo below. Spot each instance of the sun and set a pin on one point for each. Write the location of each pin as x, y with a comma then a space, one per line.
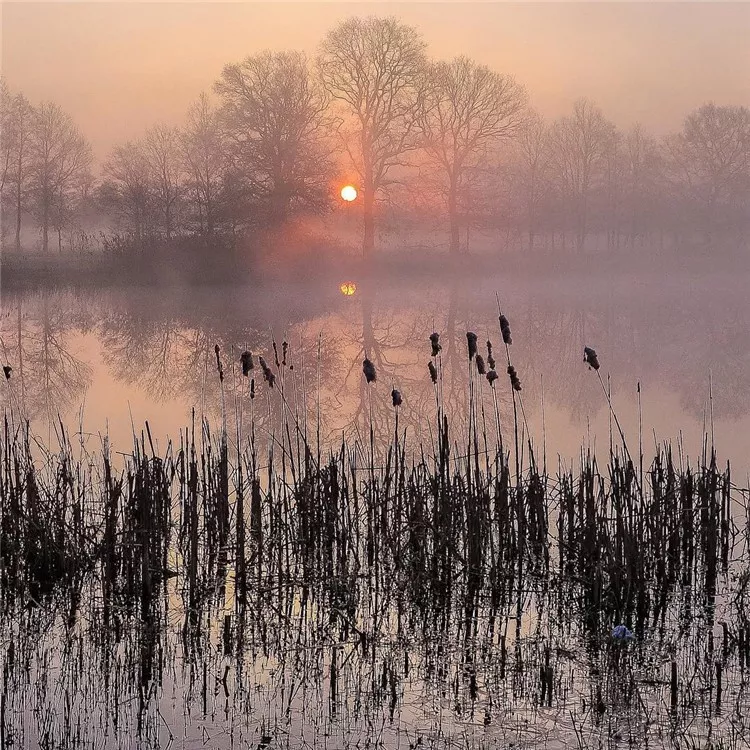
348, 288
349, 193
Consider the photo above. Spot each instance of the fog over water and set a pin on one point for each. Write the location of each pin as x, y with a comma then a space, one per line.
362, 369
102, 358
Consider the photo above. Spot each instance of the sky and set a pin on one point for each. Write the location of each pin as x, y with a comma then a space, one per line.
120, 67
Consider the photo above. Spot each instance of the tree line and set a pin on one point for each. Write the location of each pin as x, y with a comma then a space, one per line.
454, 138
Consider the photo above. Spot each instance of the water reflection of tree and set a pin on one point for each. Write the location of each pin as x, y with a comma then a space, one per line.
172, 356
395, 336
159, 355
393, 339
39, 336
653, 334
665, 343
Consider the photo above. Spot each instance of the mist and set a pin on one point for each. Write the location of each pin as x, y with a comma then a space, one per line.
339, 152
375, 374
598, 125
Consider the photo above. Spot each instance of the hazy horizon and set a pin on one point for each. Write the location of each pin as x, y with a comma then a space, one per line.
118, 68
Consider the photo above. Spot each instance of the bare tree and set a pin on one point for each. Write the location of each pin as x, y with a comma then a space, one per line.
467, 110
643, 181
127, 190
203, 151
709, 162
611, 197
15, 133
162, 148
580, 143
374, 67
73, 179
60, 161
530, 171
275, 121
6, 137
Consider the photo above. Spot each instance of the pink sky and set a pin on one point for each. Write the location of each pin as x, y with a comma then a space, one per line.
120, 67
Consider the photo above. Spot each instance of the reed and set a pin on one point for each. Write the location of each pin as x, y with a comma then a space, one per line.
352, 572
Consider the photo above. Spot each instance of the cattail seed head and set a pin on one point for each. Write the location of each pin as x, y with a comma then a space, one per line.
7, 370
514, 380
433, 371
471, 340
368, 368
246, 358
505, 330
252, 388
590, 358
435, 341
219, 366
268, 375
481, 369
275, 355
490, 358
492, 376
284, 348
396, 396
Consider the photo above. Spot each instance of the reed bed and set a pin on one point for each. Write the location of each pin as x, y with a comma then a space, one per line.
254, 587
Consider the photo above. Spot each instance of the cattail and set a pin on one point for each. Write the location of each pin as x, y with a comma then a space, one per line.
7, 369
514, 381
368, 368
268, 376
433, 371
481, 369
252, 388
396, 396
276, 355
492, 376
490, 358
218, 363
590, 358
471, 340
435, 341
505, 330
284, 348
246, 358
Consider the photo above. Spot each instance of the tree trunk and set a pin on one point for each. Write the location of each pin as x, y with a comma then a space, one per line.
18, 200
368, 240
455, 247
583, 214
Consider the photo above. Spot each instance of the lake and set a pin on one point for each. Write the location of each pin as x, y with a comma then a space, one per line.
341, 572
108, 360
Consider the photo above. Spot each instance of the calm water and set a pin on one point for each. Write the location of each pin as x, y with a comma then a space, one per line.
106, 361
295, 671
